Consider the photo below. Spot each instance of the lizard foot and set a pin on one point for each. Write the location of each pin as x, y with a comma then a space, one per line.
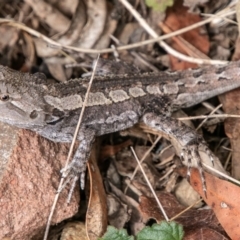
71, 174
188, 144
190, 155
77, 168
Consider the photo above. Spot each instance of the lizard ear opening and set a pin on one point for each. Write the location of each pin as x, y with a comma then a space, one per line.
33, 114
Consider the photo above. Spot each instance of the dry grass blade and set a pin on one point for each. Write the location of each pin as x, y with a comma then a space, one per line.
70, 151
143, 158
211, 113
185, 210
166, 47
150, 186
222, 174
210, 116
55, 44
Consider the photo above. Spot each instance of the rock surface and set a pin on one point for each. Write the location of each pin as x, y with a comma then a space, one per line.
29, 177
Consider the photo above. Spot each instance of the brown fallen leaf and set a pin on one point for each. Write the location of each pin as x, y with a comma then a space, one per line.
203, 234
231, 105
178, 17
118, 212
96, 217
110, 150
192, 220
223, 198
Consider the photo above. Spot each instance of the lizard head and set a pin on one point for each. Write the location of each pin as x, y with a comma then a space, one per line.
21, 101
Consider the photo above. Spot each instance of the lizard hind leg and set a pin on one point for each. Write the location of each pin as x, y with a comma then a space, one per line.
191, 153
186, 141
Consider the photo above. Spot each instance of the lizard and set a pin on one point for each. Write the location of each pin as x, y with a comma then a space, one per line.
116, 102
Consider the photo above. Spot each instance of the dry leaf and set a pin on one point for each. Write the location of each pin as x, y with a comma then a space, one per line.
96, 218
224, 199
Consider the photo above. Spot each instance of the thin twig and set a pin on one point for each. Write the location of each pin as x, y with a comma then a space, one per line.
142, 159
121, 48
210, 116
222, 174
166, 47
211, 113
81, 114
228, 160
167, 173
185, 210
70, 151
150, 186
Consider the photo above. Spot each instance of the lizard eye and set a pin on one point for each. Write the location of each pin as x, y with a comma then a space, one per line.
4, 98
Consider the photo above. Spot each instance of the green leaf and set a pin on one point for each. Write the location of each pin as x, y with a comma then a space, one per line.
159, 5
163, 231
115, 234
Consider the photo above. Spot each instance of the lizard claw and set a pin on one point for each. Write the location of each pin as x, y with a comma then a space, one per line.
190, 155
72, 174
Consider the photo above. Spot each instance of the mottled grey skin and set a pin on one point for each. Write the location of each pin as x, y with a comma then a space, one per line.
116, 102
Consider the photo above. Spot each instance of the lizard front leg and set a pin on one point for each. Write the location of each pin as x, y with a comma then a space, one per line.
186, 141
77, 168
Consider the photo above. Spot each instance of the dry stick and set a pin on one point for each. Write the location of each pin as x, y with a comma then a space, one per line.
129, 46
136, 55
167, 48
211, 113
167, 173
225, 19
142, 159
185, 210
227, 149
210, 116
150, 186
231, 5
210, 107
185, 45
177, 32
222, 174
70, 151
228, 160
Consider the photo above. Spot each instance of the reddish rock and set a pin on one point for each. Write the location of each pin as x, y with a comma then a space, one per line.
29, 177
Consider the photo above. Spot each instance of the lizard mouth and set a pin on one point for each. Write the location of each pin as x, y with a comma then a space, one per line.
52, 120
15, 109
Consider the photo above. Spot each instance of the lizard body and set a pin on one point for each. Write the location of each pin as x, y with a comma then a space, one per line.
115, 102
